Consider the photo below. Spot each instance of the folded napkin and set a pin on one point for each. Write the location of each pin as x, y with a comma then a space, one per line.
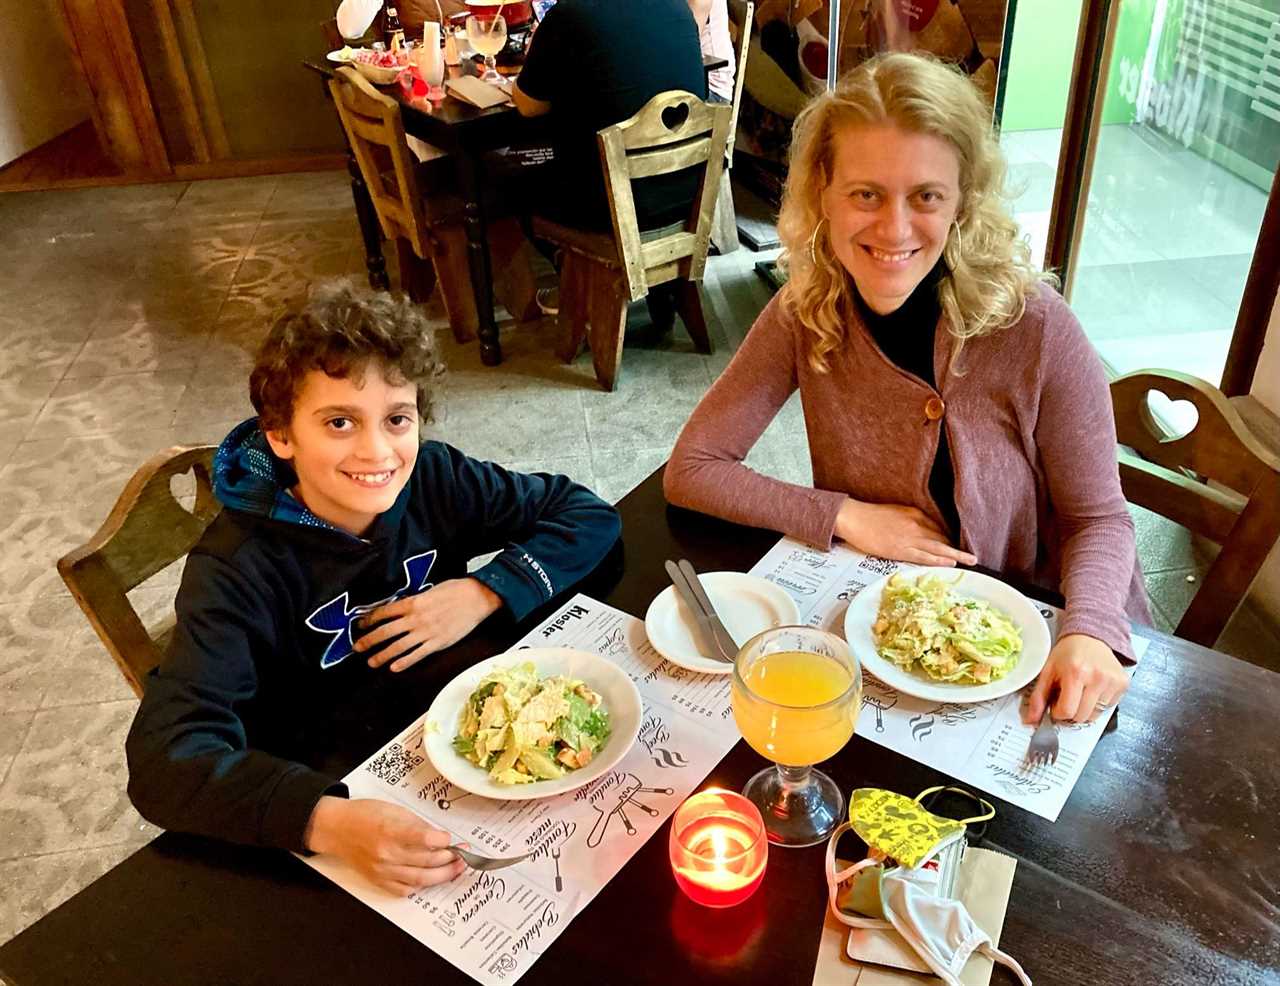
475, 91
985, 880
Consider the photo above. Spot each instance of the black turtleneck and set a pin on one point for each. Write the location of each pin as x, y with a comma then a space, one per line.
906, 337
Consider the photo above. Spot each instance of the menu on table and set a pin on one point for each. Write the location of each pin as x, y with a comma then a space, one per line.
494, 925
983, 744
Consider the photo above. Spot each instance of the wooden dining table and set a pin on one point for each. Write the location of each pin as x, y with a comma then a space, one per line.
1161, 869
466, 133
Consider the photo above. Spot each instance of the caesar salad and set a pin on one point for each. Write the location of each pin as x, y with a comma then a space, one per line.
521, 728
924, 624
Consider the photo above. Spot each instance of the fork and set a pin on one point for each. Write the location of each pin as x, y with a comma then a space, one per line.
1044, 741
481, 863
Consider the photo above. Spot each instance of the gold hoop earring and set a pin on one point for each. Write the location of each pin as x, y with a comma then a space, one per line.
957, 255
813, 242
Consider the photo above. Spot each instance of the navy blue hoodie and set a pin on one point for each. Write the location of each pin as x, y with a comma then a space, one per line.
265, 622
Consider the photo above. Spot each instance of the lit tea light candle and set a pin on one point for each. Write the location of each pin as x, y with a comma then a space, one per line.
718, 848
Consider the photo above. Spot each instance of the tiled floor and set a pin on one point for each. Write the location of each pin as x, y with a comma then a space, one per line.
129, 317
1168, 239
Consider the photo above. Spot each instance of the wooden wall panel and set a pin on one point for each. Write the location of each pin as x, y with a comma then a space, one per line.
103, 47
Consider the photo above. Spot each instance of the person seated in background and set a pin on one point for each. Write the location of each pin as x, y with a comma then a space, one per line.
340, 554
955, 410
593, 63
712, 18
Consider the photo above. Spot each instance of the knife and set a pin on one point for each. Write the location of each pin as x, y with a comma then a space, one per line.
724, 641
707, 644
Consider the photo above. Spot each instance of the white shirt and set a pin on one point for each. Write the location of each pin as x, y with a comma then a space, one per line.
355, 16
715, 40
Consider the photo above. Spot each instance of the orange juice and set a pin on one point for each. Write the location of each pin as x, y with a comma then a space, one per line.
776, 712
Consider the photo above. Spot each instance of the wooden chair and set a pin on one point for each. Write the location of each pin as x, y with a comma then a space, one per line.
724, 233
601, 274
1219, 480
421, 214
146, 531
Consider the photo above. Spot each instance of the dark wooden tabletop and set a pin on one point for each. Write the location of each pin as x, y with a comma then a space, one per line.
450, 122
1161, 869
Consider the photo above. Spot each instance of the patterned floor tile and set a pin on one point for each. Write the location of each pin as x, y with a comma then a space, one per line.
59, 473
139, 346
619, 471
38, 884
33, 635
33, 544
66, 786
79, 407
316, 193
33, 350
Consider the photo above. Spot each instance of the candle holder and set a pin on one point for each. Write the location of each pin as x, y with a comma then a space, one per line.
718, 848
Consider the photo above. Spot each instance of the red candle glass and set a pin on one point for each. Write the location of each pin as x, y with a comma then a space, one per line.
718, 848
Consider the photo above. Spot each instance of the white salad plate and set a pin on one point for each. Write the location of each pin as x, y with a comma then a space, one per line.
1024, 614
746, 605
617, 692
340, 56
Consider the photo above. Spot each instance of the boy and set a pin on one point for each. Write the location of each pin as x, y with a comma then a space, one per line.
337, 521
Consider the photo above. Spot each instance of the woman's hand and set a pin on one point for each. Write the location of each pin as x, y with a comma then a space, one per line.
901, 533
427, 622
388, 845
1086, 674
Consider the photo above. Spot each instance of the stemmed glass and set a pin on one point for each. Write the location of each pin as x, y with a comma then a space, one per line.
488, 35
796, 695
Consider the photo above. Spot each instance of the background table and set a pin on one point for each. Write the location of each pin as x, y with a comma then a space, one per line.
1162, 868
465, 132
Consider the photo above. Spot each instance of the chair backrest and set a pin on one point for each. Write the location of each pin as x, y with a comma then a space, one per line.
147, 530
673, 131
1217, 480
375, 131
739, 77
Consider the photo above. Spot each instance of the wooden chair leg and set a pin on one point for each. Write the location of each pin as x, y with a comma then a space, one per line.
573, 307
417, 276
513, 280
607, 313
449, 256
689, 304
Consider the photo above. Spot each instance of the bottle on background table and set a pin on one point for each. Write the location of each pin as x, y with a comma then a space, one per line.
394, 30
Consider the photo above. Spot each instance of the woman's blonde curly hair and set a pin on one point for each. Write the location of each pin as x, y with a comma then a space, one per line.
990, 269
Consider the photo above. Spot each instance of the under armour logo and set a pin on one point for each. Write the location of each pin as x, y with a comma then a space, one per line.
335, 619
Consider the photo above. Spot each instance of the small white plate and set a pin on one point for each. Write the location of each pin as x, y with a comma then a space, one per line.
746, 605
338, 55
1025, 615
620, 699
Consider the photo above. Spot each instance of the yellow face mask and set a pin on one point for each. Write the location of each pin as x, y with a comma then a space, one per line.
899, 827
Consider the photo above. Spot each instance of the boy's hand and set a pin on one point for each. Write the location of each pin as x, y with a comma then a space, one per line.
1086, 673
429, 621
389, 845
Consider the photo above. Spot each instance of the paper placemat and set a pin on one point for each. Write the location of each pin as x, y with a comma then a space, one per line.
981, 743
493, 926
475, 91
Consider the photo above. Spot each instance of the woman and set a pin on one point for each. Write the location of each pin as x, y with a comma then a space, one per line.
954, 409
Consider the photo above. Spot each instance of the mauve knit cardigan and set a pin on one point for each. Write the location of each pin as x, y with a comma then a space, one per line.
1032, 439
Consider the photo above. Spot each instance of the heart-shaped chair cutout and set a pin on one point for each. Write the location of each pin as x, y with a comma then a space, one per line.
1169, 420
183, 487
675, 116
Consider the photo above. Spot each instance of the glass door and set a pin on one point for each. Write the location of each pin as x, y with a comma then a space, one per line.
1183, 159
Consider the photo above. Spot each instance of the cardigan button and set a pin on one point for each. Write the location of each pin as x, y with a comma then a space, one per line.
933, 408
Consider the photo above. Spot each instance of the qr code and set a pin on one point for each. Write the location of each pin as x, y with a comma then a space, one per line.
393, 763
881, 566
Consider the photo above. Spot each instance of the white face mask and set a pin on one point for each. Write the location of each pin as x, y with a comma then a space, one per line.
940, 930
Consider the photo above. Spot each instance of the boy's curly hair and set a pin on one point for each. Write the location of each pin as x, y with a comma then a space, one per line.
341, 330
